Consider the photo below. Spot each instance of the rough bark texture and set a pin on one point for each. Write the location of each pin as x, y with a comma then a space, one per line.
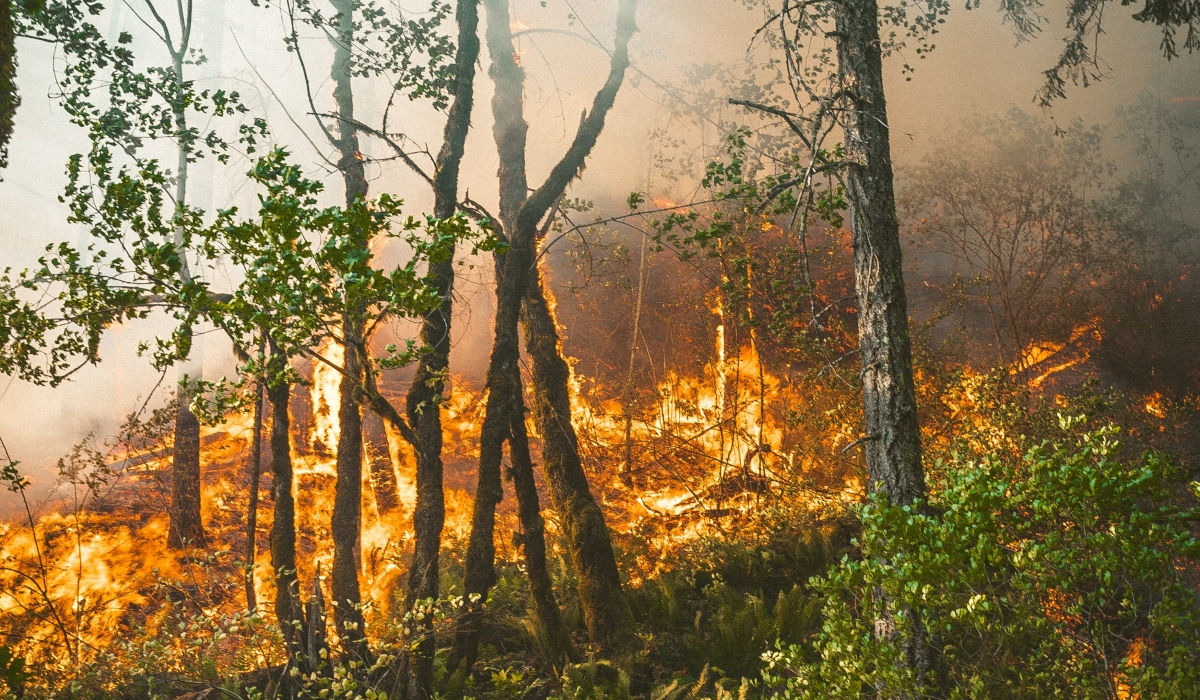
186, 527
509, 130
314, 615
252, 508
893, 439
424, 397
606, 610
532, 540
346, 525
283, 528
9, 101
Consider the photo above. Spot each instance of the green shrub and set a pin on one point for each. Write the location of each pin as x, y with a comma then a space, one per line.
1061, 574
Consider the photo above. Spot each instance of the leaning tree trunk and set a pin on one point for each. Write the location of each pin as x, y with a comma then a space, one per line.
533, 538
892, 439
605, 609
509, 130
288, 611
346, 524
186, 528
423, 403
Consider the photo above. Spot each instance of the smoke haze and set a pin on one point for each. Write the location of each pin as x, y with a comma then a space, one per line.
977, 68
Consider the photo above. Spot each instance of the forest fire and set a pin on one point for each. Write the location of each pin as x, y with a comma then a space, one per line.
722, 389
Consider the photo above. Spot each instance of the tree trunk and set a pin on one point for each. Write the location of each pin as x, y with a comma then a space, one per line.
423, 403
606, 611
252, 508
893, 439
892, 435
186, 528
480, 574
288, 612
509, 131
186, 525
533, 539
346, 523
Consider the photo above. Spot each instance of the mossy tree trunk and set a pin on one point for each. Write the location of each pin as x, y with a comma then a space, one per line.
288, 610
423, 403
606, 610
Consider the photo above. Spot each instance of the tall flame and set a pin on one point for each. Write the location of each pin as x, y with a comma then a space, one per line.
326, 390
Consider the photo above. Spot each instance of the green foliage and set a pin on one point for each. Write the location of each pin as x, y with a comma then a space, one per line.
408, 50
12, 672
593, 680
304, 265
1059, 574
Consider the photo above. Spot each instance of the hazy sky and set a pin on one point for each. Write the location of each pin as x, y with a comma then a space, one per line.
977, 67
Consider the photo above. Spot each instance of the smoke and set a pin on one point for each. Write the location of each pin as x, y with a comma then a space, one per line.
977, 68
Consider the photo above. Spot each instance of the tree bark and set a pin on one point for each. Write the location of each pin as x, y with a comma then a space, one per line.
423, 403
186, 527
288, 611
509, 131
893, 437
346, 524
606, 611
533, 539
252, 508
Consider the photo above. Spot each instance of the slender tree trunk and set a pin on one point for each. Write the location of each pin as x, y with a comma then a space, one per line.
9, 100
893, 444
628, 395
606, 610
509, 130
288, 611
186, 524
424, 397
252, 508
480, 574
314, 616
346, 523
186, 527
533, 538
893, 438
